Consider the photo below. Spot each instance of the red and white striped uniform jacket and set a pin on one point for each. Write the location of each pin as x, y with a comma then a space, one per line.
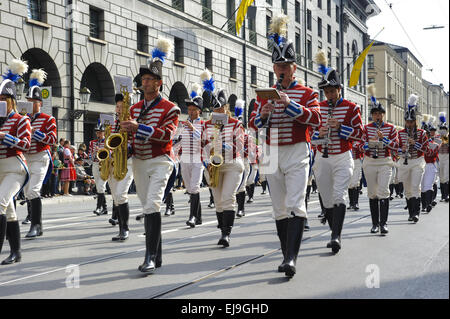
230, 140
156, 129
250, 148
390, 139
45, 134
349, 115
289, 125
191, 142
18, 135
432, 155
356, 153
420, 147
94, 146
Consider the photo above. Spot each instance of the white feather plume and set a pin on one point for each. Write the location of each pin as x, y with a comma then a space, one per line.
39, 74
196, 88
412, 101
371, 89
321, 58
301, 82
165, 46
239, 104
279, 25
18, 66
205, 75
425, 118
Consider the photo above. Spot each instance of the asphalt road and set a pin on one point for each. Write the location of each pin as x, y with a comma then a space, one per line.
75, 258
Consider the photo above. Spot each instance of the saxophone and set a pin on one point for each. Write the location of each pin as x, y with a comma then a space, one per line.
118, 143
216, 160
104, 157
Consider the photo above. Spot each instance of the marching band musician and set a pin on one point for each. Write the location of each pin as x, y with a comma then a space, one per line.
248, 147
341, 123
226, 140
153, 123
431, 169
353, 187
413, 144
253, 162
377, 164
100, 184
191, 160
43, 135
15, 138
119, 189
443, 158
286, 123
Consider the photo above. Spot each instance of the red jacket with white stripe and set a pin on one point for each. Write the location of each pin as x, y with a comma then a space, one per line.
191, 142
419, 148
432, 155
349, 116
45, 134
94, 146
230, 139
18, 135
356, 153
156, 129
289, 125
390, 139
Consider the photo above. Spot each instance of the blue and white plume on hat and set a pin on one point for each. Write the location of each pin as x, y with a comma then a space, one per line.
239, 108
330, 75
37, 78
322, 61
162, 50
16, 69
411, 109
195, 91
442, 121
207, 81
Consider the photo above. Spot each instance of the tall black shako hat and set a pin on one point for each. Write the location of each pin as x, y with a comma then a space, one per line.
159, 55
37, 78
196, 98
411, 108
283, 49
330, 76
217, 99
15, 70
375, 106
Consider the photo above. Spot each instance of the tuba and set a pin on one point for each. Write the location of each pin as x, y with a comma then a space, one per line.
104, 157
216, 160
118, 143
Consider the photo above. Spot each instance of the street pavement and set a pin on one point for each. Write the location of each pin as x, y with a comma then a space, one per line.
75, 258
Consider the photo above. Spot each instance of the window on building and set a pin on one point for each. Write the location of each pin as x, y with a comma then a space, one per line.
179, 50
231, 7
207, 13
269, 2
338, 14
253, 75
142, 38
252, 30
271, 80
319, 4
233, 68
348, 71
319, 27
178, 4
269, 42
370, 61
209, 59
96, 23
329, 57
348, 49
329, 33
371, 80
36, 10
284, 6
297, 12
338, 40
297, 43
308, 20
309, 53
329, 8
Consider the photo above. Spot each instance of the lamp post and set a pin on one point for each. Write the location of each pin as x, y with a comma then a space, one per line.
85, 95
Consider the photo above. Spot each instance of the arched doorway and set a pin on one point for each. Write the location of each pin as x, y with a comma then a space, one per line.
232, 102
178, 94
39, 59
98, 80
251, 106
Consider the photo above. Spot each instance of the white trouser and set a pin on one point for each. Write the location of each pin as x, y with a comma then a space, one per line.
12, 177
119, 189
411, 176
287, 182
230, 178
192, 174
378, 173
37, 168
100, 184
333, 176
396, 172
252, 175
356, 176
429, 176
245, 175
150, 177
443, 168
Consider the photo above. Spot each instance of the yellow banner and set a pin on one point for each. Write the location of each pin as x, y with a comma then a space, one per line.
241, 13
354, 77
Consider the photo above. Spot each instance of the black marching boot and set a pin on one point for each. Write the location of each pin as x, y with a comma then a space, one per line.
123, 212
152, 224
328, 219
114, 220
169, 203
282, 226
198, 217
13, 232
250, 193
409, 207
36, 219
3, 224
193, 210
263, 186
98, 210
429, 200
375, 214
227, 225
240, 198
295, 229
104, 206
415, 201
336, 229
211, 199
391, 191
219, 220
350, 197
423, 200
384, 213
356, 199
435, 191
27, 219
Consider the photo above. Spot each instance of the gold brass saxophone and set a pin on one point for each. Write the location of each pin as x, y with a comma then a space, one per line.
118, 143
103, 156
215, 160
444, 139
